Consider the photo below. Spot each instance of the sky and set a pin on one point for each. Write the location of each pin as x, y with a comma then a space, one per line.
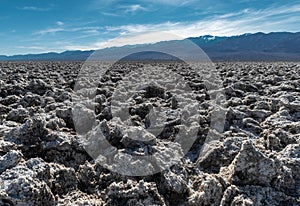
38, 26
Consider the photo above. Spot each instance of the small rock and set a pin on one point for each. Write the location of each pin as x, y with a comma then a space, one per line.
10, 160
18, 115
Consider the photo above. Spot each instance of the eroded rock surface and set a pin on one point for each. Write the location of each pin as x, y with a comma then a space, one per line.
254, 161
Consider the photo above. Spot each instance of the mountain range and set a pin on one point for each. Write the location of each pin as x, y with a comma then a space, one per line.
275, 46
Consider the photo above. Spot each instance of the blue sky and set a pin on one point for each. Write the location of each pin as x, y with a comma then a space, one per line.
36, 26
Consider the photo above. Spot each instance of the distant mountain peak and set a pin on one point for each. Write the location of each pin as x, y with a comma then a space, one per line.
208, 37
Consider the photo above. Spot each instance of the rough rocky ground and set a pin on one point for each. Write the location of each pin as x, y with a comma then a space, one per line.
255, 162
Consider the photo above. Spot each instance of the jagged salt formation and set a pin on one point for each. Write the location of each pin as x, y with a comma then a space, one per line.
255, 162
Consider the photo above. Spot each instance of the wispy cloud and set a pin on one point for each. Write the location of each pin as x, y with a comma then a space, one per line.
173, 2
89, 33
141, 28
49, 31
60, 23
57, 29
110, 14
32, 47
134, 8
33, 8
234, 14
85, 29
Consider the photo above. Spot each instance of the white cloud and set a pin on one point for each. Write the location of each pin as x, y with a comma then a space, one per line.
32, 47
83, 28
172, 2
110, 14
91, 31
49, 31
134, 8
234, 14
88, 33
60, 29
59, 23
142, 28
33, 8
